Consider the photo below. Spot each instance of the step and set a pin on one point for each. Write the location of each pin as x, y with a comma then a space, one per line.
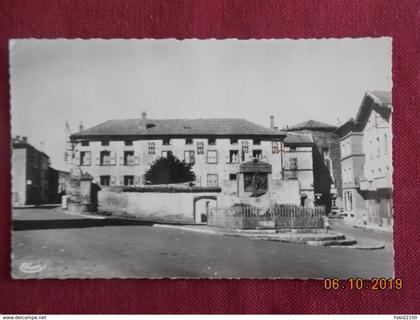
336, 242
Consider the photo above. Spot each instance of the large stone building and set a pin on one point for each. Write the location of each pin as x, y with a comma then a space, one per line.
366, 158
326, 163
30, 173
118, 152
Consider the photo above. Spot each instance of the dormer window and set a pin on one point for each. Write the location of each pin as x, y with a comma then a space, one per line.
188, 141
166, 142
234, 141
212, 141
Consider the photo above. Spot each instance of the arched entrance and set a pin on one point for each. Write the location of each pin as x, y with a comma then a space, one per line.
201, 207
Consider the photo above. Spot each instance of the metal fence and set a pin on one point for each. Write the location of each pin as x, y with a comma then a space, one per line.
281, 216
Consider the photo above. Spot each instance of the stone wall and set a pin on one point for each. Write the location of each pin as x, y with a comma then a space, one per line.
155, 206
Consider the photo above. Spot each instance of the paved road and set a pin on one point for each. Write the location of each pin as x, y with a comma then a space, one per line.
50, 244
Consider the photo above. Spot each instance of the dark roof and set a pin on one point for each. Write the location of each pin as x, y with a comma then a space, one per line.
293, 138
177, 127
380, 101
26, 145
311, 125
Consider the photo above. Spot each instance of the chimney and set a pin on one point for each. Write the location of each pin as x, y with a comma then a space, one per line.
144, 115
81, 126
17, 138
25, 139
271, 122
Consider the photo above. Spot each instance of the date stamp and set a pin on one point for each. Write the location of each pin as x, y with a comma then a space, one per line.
360, 284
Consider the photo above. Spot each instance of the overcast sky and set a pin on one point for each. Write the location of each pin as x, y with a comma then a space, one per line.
96, 80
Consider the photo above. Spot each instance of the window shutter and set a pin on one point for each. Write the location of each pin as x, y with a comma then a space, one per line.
98, 161
113, 180
114, 159
263, 156
77, 158
121, 180
136, 180
227, 158
122, 160
88, 158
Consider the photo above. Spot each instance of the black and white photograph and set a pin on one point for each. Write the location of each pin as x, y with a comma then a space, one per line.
215, 159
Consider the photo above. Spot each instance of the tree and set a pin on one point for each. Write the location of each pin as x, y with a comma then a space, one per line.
169, 170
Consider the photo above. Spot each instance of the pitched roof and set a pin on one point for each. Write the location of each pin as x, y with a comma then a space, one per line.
297, 139
177, 127
379, 101
311, 125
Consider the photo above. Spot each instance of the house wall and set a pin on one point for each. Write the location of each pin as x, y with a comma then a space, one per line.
143, 159
177, 206
377, 183
19, 177
377, 144
304, 172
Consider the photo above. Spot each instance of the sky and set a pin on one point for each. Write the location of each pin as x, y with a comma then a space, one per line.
54, 81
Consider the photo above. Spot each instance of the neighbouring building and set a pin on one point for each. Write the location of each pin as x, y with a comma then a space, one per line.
366, 158
30, 173
298, 164
326, 164
118, 152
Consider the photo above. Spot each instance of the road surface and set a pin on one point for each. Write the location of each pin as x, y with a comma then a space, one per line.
49, 244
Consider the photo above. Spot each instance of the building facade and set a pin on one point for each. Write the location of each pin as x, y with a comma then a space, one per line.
366, 155
118, 152
30, 173
326, 162
298, 164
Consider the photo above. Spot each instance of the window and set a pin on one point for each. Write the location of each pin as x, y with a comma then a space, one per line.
105, 158
129, 158
212, 180
325, 153
85, 158
378, 147
188, 141
256, 142
370, 149
257, 154
274, 147
293, 164
189, 156
128, 180
105, 180
232, 177
200, 147
385, 144
211, 141
234, 141
104, 143
233, 156
211, 156
85, 143
166, 142
343, 149
245, 146
151, 148
128, 142
165, 153
292, 148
